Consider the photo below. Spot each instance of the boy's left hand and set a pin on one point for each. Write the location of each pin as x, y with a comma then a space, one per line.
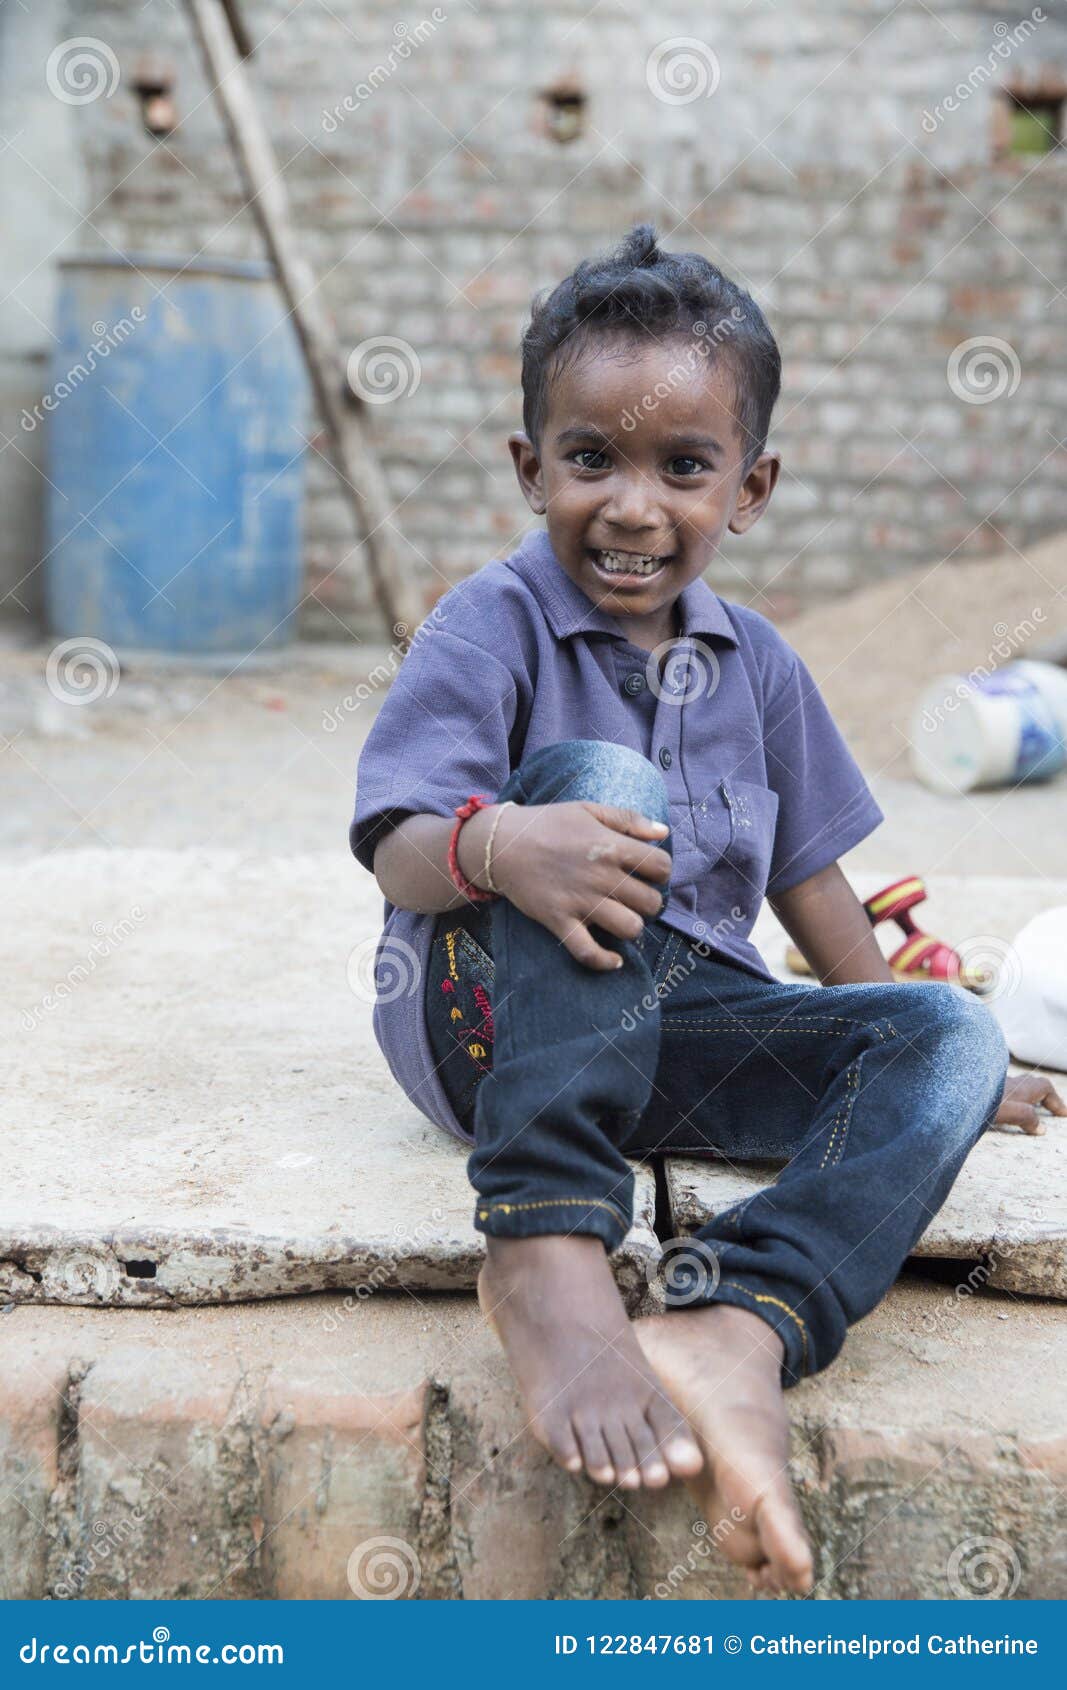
1023, 1093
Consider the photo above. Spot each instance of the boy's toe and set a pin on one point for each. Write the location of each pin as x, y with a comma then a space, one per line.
785, 1543
653, 1469
557, 1435
598, 1462
623, 1455
674, 1440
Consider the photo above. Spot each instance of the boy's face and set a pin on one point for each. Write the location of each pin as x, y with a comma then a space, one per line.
640, 472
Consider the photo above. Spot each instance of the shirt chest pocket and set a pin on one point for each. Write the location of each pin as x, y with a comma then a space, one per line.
735, 828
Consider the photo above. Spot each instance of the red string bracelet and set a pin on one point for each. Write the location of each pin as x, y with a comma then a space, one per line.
477, 801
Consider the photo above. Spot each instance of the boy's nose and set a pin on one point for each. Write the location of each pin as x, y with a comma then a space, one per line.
632, 509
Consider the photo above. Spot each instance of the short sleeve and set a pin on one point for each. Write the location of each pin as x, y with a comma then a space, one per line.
825, 806
442, 733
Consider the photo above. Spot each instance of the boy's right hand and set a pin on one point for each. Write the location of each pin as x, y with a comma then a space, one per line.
566, 865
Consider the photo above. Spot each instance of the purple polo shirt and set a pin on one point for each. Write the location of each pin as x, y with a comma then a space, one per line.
763, 790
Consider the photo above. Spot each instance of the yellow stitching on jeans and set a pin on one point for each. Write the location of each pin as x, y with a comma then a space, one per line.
450, 941
834, 1126
839, 1116
549, 1203
761, 1297
680, 1023
853, 1069
848, 1118
676, 1024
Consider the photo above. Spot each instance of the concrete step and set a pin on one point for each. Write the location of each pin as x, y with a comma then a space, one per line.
1007, 1210
204, 1115
233, 1132
321, 1446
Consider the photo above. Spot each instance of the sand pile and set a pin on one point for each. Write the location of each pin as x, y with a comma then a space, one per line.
872, 651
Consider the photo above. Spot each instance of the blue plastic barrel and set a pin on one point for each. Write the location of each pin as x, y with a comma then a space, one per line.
177, 419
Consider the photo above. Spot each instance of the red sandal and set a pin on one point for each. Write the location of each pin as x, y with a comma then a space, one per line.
920, 957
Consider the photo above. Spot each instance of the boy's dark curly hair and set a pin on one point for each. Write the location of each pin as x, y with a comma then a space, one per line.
636, 291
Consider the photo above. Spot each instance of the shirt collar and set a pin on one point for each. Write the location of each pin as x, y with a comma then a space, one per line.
568, 611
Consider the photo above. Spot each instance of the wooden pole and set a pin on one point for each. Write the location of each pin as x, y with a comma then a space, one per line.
353, 456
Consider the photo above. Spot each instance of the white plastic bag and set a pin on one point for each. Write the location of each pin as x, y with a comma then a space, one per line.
1032, 1008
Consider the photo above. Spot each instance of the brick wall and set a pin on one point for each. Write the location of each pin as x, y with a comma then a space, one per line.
876, 242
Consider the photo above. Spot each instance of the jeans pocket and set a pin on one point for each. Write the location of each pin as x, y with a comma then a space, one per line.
459, 1010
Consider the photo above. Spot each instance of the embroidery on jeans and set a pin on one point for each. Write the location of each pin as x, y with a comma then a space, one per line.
474, 1040
450, 941
481, 998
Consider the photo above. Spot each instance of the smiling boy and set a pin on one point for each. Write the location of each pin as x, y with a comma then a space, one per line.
566, 979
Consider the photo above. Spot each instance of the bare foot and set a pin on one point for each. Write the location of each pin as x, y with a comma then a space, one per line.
722, 1366
591, 1395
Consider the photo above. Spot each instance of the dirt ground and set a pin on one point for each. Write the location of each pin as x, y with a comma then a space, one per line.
872, 651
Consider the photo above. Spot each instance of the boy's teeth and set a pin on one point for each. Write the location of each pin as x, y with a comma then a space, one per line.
629, 563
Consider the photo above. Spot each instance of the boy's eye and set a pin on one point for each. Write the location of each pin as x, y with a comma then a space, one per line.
683, 466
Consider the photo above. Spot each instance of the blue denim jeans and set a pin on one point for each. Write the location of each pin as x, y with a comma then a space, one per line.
871, 1095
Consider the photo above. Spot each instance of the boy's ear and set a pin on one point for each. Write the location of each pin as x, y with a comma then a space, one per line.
528, 470
755, 494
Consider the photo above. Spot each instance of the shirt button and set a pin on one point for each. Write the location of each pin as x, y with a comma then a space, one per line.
665, 757
633, 684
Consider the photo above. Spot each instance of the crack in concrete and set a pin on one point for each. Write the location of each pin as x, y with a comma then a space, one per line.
441, 1576
61, 1522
